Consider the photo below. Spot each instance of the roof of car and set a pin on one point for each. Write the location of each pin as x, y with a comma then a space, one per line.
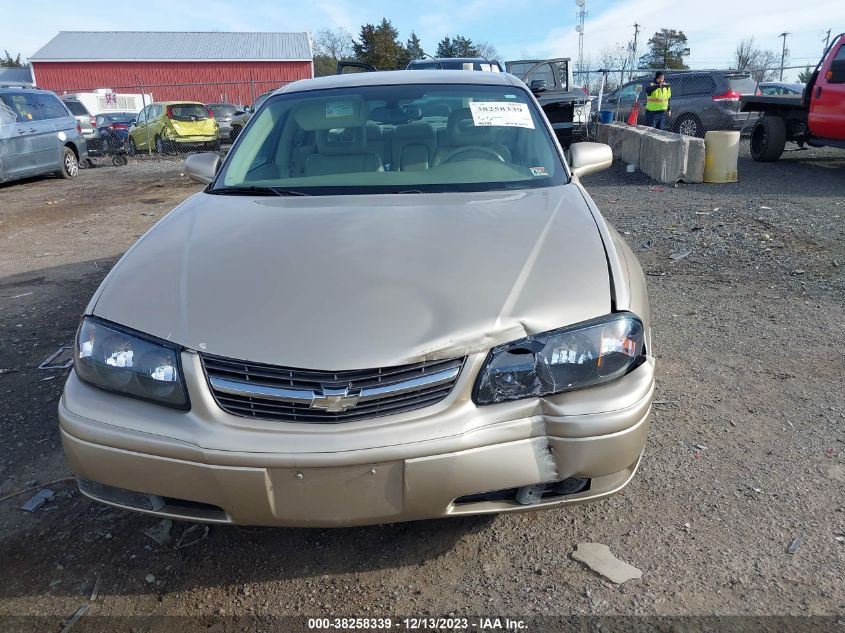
401, 77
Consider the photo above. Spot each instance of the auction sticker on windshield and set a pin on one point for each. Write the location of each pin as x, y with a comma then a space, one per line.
339, 109
501, 113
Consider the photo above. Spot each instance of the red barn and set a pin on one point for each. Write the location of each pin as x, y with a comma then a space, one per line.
207, 67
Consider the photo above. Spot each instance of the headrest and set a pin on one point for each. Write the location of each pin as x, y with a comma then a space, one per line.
395, 116
417, 130
461, 130
328, 113
435, 109
341, 142
374, 131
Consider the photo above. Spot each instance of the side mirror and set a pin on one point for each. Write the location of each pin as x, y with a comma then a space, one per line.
588, 158
538, 85
836, 74
203, 167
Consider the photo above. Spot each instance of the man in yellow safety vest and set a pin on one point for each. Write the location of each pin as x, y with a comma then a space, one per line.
658, 102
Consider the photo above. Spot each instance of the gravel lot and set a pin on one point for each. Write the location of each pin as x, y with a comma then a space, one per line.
746, 451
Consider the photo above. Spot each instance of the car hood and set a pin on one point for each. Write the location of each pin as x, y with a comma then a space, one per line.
351, 282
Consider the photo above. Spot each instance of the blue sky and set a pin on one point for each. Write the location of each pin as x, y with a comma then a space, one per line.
539, 28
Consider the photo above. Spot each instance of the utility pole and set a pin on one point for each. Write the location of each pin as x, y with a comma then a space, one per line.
634, 51
782, 54
826, 41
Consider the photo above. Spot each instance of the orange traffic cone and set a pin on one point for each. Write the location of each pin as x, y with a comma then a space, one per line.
635, 112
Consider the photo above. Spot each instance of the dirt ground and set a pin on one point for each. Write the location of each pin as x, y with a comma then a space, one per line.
746, 452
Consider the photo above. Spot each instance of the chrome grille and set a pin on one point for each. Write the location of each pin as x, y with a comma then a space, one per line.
269, 392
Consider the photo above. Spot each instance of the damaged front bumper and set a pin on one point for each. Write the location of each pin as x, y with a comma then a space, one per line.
449, 459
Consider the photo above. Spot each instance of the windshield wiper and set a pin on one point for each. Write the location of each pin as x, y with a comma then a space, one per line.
257, 191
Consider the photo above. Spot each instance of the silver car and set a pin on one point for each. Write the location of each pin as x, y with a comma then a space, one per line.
369, 316
38, 135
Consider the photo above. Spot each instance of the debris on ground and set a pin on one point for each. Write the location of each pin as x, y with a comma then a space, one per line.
73, 619
793, 546
679, 256
8, 371
840, 539
38, 500
198, 532
149, 578
601, 560
160, 532
96, 591
62, 358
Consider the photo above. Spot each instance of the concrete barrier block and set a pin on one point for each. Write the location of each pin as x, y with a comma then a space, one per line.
615, 137
632, 138
670, 158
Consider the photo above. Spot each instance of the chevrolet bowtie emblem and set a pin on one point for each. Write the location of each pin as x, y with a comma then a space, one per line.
334, 400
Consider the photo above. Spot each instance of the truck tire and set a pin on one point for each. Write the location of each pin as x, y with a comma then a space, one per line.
768, 138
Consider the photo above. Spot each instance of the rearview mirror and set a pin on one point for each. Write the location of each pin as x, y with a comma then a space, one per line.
203, 167
588, 158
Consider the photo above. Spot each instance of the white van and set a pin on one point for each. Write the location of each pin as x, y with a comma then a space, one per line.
104, 100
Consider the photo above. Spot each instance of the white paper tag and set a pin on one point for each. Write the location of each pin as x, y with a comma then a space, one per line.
501, 113
339, 109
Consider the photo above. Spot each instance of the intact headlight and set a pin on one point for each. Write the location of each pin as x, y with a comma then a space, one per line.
112, 358
571, 358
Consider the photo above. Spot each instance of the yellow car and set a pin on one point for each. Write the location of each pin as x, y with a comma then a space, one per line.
171, 125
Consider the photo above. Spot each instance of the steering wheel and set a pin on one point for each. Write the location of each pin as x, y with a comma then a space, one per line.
473, 148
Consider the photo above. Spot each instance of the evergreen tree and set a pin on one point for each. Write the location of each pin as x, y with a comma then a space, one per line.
414, 47
445, 48
459, 46
380, 46
667, 49
805, 75
9, 62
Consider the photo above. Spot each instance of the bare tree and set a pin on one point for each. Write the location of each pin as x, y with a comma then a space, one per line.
335, 43
331, 46
487, 51
762, 64
615, 58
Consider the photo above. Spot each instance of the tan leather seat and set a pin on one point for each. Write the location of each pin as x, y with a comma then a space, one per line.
378, 142
342, 152
413, 145
463, 140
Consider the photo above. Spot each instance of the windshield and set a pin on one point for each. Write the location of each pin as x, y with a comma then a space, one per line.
454, 64
76, 108
222, 110
188, 111
388, 139
121, 117
742, 83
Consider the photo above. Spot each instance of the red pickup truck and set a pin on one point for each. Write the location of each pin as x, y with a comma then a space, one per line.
816, 118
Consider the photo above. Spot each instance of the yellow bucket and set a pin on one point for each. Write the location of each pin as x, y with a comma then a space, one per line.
721, 152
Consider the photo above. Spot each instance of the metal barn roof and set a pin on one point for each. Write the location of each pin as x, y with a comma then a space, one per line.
137, 46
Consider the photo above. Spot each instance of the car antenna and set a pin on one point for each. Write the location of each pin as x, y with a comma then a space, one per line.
436, 61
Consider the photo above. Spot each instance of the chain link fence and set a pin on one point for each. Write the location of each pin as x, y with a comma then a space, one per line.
159, 127
701, 101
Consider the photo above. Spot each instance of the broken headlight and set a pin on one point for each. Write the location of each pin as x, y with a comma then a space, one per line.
128, 363
575, 357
